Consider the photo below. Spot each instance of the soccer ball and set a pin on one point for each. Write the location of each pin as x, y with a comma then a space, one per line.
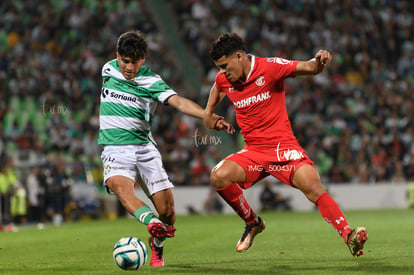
130, 253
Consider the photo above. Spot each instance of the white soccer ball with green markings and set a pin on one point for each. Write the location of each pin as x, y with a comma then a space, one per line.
130, 253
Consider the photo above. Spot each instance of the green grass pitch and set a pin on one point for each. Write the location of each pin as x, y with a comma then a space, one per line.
294, 243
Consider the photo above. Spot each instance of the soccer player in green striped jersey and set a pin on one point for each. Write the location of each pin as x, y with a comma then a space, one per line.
129, 97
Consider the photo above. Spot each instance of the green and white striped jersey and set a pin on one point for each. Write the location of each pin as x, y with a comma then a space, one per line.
128, 106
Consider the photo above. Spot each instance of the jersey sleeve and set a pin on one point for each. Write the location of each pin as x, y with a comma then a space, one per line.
154, 85
281, 67
220, 81
160, 91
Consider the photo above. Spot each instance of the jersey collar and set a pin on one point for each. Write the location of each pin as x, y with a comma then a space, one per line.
252, 59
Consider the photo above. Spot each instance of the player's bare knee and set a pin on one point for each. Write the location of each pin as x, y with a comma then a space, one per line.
313, 194
219, 178
121, 190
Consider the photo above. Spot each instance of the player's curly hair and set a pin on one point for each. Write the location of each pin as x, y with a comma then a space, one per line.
225, 45
132, 44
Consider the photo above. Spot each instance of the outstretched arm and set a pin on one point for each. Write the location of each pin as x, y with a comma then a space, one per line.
186, 106
209, 120
315, 65
191, 108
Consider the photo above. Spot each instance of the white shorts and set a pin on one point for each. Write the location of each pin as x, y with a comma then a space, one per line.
141, 163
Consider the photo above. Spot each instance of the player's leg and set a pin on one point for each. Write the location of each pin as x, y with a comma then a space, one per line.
123, 188
164, 203
120, 173
154, 181
306, 178
225, 178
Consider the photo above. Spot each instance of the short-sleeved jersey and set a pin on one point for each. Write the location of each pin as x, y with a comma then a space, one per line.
259, 102
128, 106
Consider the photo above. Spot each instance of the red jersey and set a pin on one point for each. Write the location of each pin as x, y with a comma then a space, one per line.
259, 102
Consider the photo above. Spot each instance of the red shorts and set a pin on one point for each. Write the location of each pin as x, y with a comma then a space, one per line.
280, 162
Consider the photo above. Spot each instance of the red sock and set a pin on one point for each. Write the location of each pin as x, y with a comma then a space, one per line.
233, 195
331, 212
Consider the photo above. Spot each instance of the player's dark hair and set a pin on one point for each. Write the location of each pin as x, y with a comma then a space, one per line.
225, 45
132, 44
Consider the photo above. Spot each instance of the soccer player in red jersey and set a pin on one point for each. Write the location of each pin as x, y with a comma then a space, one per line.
255, 86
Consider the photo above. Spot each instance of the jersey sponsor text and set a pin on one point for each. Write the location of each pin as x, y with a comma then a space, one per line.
252, 100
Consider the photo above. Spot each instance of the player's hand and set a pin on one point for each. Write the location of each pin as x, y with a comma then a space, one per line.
216, 122
211, 119
221, 124
323, 57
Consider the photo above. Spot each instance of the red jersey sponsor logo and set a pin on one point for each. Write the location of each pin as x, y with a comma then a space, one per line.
252, 100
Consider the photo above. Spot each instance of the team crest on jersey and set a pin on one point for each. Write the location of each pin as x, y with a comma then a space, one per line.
231, 89
107, 169
260, 81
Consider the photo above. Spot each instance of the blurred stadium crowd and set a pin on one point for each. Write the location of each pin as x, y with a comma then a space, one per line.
355, 120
